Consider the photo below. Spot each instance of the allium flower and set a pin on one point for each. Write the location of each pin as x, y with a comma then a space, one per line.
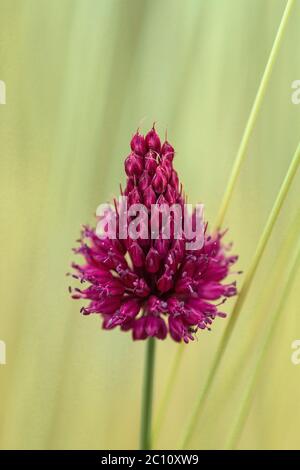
153, 286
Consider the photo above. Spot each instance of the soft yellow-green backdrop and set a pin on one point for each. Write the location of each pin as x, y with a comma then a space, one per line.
81, 76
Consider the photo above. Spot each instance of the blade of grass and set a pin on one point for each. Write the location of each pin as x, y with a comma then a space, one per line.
253, 115
279, 266
232, 179
243, 293
254, 375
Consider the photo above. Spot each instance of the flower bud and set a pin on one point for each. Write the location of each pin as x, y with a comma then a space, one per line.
113, 287
165, 282
134, 165
155, 326
144, 181
211, 290
137, 255
149, 197
134, 196
138, 331
153, 260
141, 288
130, 309
159, 181
138, 144
153, 141
150, 162
167, 167
162, 246
184, 286
167, 151
176, 328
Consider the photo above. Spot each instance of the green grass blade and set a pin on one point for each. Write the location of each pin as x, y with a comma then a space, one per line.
232, 180
243, 293
253, 115
280, 266
247, 398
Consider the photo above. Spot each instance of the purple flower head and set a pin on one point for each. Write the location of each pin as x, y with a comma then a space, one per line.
153, 286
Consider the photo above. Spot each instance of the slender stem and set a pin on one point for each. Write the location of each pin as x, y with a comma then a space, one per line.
247, 398
243, 293
253, 116
147, 399
167, 391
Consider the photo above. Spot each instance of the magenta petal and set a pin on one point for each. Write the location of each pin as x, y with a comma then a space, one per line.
138, 144
152, 261
153, 141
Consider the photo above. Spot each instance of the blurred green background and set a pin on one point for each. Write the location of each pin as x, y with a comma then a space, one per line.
81, 76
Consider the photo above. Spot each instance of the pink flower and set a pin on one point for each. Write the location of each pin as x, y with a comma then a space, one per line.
153, 286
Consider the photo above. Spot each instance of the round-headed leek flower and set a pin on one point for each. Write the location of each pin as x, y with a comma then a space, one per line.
153, 285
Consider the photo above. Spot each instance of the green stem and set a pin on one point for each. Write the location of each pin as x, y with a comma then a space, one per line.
253, 116
243, 293
247, 398
147, 399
